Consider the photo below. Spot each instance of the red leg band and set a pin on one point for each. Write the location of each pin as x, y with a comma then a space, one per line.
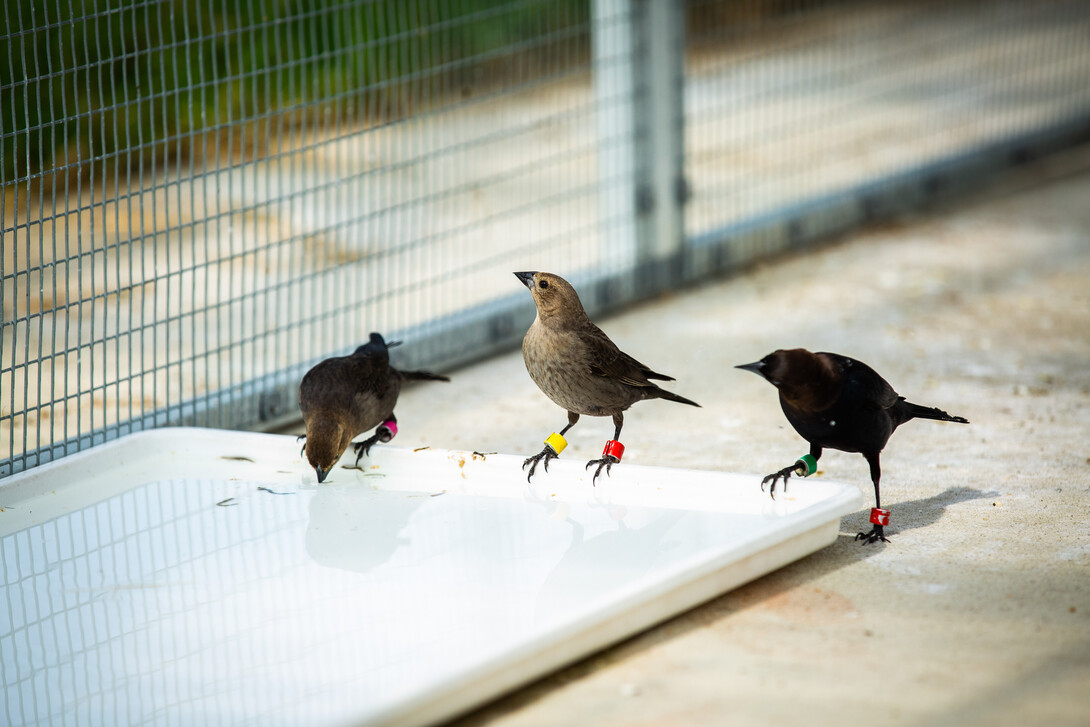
613, 449
391, 430
878, 516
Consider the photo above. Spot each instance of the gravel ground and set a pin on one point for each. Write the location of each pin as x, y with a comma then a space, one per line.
978, 611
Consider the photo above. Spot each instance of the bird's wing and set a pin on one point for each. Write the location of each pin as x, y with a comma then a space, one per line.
370, 374
867, 384
605, 359
336, 381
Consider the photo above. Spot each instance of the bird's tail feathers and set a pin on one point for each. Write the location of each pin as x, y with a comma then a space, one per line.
929, 412
671, 396
422, 376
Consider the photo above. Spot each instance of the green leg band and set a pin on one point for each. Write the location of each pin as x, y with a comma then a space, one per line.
806, 465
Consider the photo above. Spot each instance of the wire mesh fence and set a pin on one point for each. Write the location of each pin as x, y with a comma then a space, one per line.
832, 97
202, 199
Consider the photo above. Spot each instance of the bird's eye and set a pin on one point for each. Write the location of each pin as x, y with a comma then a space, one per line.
543, 284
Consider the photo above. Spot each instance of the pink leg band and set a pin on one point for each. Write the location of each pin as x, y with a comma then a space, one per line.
391, 425
613, 449
878, 516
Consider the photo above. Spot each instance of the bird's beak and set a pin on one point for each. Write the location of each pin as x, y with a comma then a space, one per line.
322, 474
755, 367
527, 278
391, 344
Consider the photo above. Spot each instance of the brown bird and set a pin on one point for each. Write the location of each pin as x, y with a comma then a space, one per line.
576, 365
837, 402
343, 397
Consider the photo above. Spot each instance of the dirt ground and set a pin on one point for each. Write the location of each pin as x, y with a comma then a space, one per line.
978, 611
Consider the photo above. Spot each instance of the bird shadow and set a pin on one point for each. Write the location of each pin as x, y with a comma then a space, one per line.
845, 551
914, 514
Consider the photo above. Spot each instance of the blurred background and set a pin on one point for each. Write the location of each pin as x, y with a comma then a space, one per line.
202, 199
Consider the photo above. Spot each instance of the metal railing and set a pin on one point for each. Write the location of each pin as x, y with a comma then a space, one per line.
200, 200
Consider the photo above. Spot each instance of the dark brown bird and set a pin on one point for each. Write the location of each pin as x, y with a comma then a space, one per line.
576, 365
837, 402
343, 397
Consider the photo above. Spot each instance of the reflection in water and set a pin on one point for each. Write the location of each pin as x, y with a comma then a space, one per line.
357, 528
610, 546
328, 605
593, 566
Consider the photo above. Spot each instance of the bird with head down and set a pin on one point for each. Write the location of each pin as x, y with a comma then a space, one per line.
345, 396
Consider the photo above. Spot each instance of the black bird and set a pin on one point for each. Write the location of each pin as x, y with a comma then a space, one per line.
576, 365
837, 402
343, 397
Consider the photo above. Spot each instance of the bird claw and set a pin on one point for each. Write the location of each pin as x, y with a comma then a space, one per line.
364, 448
382, 434
606, 462
547, 453
873, 536
361, 448
302, 438
784, 473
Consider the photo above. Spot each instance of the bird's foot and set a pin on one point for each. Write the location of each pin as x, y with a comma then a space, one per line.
607, 461
364, 448
873, 536
804, 466
302, 438
547, 454
784, 473
384, 433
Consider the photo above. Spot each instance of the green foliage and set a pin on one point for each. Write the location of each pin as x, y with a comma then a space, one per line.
87, 86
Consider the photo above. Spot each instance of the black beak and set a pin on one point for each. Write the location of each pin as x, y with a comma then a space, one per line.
527, 278
322, 474
391, 344
755, 367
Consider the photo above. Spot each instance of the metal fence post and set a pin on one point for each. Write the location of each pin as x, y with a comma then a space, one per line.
660, 147
613, 38
638, 77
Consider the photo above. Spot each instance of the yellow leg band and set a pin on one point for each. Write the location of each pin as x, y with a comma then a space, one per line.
557, 442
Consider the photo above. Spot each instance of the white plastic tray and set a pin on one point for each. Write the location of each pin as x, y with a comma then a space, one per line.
403, 593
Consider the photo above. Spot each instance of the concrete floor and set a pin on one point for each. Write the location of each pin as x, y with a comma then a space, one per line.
978, 611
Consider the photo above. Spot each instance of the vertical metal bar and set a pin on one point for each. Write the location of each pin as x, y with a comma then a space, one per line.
123, 151
61, 167
71, 372
638, 69
201, 234
148, 302
44, 88
7, 396
271, 350
614, 90
246, 310
137, 288
213, 173
660, 148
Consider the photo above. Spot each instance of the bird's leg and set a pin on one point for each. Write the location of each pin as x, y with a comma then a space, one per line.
385, 432
302, 438
611, 455
804, 467
554, 445
878, 516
